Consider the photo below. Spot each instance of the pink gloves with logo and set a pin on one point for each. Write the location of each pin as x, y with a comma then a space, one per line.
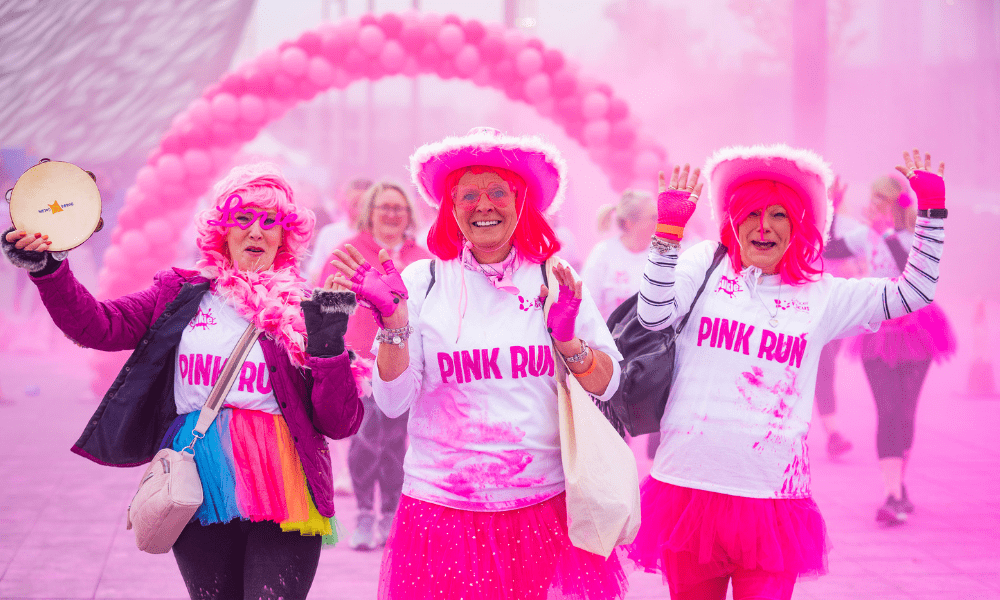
381, 293
929, 189
562, 314
673, 209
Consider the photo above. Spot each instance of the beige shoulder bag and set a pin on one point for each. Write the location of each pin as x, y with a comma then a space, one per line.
170, 490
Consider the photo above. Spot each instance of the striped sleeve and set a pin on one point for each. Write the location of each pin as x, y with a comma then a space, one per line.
657, 307
915, 287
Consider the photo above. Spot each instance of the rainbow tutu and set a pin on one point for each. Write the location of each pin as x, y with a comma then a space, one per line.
250, 470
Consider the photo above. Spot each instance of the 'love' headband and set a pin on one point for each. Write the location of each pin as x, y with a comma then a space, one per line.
243, 217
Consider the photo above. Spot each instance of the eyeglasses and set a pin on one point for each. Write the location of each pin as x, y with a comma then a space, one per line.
468, 196
391, 208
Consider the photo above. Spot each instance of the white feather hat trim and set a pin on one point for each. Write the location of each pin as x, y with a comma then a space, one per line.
538, 162
802, 170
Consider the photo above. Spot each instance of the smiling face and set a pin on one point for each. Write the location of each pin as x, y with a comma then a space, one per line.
390, 216
764, 238
254, 248
486, 212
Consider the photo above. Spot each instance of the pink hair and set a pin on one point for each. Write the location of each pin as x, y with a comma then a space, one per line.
533, 236
268, 298
806, 243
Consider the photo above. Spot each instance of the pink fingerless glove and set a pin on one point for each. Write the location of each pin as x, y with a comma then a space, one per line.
562, 314
929, 189
673, 209
378, 292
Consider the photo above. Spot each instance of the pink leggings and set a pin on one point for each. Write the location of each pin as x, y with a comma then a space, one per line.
747, 585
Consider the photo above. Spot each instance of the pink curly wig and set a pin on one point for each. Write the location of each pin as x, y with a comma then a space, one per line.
268, 298
806, 243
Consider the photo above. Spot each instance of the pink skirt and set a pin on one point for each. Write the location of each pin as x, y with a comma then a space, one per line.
435, 552
693, 535
923, 334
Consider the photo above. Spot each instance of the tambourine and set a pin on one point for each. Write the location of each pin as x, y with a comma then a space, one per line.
57, 199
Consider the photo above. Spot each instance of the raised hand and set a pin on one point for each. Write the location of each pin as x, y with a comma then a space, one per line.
928, 187
676, 203
562, 313
380, 293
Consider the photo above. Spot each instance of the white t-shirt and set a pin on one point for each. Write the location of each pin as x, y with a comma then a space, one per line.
206, 344
745, 372
484, 419
612, 273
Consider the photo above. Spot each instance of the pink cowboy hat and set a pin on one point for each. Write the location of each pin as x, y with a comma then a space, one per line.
802, 170
539, 163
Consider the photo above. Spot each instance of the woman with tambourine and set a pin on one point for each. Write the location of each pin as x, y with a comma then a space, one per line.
263, 463
728, 497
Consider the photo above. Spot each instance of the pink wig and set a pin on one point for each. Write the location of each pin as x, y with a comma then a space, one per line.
269, 298
806, 243
533, 236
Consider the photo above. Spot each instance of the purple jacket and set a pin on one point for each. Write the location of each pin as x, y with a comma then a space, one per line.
129, 425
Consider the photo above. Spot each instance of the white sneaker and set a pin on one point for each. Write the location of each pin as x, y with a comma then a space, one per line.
363, 538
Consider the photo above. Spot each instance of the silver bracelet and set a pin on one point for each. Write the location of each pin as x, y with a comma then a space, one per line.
396, 336
663, 247
581, 355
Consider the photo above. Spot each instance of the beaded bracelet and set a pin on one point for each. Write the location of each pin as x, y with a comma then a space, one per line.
663, 247
581, 355
396, 336
590, 370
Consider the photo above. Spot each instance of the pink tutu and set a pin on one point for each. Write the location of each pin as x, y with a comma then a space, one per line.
436, 552
915, 337
693, 535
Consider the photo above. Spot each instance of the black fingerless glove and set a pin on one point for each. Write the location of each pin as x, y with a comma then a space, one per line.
326, 315
36, 263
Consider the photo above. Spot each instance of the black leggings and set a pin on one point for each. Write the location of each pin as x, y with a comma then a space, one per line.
241, 560
896, 390
376, 456
826, 401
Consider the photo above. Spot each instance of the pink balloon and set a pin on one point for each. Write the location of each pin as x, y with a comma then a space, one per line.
450, 39
224, 134
268, 62
412, 36
529, 62
570, 108
430, 56
391, 24
310, 42
341, 79
622, 134
553, 60
595, 105
504, 73
514, 41
481, 77
294, 61
134, 244
596, 132
474, 31
197, 162
200, 111
393, 57
647, 164
617, 109
546, 107
284, 86
335, 43
467, 60
355, 61
320, 72
370, 39
411, 67
537, 88
159, 233
252, 109
147, 180
225, 108
172, 142
491, 47
563, 83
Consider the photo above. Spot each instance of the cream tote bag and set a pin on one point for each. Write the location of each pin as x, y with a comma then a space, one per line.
602, 480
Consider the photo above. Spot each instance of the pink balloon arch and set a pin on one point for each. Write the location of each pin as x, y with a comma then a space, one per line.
203, 138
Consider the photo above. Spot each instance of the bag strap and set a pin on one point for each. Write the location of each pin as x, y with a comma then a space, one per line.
225, 382
433, 278
720, 252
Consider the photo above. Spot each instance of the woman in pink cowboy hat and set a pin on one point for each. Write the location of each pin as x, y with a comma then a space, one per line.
465, 347
264, 464
728, 497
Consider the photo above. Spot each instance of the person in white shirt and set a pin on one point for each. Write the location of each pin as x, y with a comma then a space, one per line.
343, 226
729, 493
897, 357
614, 268
470, 355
